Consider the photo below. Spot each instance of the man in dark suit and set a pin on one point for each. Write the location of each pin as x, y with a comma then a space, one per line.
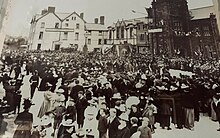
113, 123
74, 91
34, 80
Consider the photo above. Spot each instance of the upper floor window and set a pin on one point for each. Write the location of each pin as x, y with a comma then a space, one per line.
56, 25
122, 32
89, 41
41, 35
42, 25
67, 20
77, 26
65, 36
100, 41
76, 36
66, 24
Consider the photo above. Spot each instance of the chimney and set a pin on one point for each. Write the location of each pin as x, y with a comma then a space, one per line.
96, 20
102, 20
81, 15
51, 9
44, 11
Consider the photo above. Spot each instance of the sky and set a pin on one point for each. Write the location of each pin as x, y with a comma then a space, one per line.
22, 11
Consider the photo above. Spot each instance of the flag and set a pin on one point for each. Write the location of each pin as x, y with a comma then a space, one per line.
107, 48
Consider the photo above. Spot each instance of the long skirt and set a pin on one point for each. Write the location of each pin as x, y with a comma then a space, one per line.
213, 113
45, 107
189, 118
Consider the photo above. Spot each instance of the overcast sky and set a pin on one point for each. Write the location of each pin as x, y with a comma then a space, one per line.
23, 10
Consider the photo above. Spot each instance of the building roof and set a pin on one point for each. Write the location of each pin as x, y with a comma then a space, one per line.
132, 21
62, 16
95, 27
202, 12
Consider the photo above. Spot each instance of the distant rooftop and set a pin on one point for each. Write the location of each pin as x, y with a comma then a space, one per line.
201, 12
95, 27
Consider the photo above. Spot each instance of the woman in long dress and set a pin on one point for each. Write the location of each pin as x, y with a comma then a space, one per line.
46, 105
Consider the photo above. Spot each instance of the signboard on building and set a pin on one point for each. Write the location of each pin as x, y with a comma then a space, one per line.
158, 30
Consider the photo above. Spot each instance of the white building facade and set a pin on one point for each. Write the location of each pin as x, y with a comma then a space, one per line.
54, 31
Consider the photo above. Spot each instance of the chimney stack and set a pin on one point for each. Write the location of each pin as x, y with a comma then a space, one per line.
81, 15
51, 9
96, 20
102, 20
44, 11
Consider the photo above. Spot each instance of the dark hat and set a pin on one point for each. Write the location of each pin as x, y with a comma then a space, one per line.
27, 103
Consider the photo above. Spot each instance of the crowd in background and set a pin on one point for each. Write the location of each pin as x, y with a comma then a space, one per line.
93, 95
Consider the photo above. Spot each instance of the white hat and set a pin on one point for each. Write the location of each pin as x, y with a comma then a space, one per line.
60, 91
124, 117
117, 96
172, 88
68, 122
184, 86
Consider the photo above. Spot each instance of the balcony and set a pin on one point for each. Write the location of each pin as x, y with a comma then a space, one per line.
59, 30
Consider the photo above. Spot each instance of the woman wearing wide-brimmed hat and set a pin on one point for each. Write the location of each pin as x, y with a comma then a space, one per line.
24, 121
123, 130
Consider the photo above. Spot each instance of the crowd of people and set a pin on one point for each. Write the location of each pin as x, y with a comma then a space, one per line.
93, 95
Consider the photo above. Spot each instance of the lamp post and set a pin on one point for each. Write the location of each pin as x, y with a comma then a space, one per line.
85, 47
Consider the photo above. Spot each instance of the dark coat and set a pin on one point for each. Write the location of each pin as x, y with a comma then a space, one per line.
113, 128
75, 90
102, 124
123, 133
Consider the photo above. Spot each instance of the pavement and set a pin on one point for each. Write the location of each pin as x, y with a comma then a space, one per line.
205, 128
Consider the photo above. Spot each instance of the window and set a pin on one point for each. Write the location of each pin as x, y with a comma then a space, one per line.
100, 41
65, 36
122, 32
57, 47
41, 35
206, 31
89, 41
100, 32
67, 20
77, 26
131, 32
142, 37
117, 32
73, 18
66, 24
105, 41
38, 46
56, 25
42, 25
76, 36
110, 34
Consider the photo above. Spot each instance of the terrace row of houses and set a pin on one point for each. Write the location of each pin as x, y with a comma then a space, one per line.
52, 30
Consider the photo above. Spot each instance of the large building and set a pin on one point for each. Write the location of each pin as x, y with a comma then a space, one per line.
52, 30
204, 32
216, 7
132, 33
173, 17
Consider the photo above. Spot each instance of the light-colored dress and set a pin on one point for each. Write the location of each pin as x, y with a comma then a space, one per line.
46, 105
90, 120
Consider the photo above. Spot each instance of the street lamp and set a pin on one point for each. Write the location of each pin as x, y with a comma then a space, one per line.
85, 48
